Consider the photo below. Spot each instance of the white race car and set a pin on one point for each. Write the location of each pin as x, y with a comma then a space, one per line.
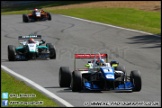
31, 49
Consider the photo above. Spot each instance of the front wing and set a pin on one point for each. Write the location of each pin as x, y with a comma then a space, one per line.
24, 57
126, 86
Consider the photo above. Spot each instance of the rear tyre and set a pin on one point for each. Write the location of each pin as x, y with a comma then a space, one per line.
121, 68
11, 53
25, 18
135, 78
76, 84
64, 77
52, 50
124, 75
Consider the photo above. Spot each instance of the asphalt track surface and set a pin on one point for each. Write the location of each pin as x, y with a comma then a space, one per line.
134, 50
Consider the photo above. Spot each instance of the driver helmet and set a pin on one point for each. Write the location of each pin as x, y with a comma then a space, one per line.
102, 62
31, 40
114, 63
36, 9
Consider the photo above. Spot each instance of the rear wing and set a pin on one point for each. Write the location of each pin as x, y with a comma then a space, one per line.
89, 56
30, 36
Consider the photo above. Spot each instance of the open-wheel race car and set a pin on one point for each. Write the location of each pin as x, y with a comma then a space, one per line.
99, 74
36, 15
31, 48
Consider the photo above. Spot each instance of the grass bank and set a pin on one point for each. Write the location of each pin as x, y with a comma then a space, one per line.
13, 86
124, 17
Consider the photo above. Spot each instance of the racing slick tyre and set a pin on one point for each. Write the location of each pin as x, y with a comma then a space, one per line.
49, 16
135, 78
25, 18
64, 77
76, 83
122, 68
52, 50
11, 53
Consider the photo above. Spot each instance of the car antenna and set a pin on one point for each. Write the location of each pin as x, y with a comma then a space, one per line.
99, 55
95, 58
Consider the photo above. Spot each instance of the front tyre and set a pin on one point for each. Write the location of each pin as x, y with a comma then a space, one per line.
49, 16
64, 77
76, 84
25, 18
11, 53
52, 51
135, 78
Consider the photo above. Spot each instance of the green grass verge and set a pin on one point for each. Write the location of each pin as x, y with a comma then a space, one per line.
124, 17
13, 86
148, 21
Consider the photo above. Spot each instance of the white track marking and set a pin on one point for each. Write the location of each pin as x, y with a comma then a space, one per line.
113, 26
50, 94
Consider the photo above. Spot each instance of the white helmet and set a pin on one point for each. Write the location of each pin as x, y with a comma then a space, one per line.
36, 9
